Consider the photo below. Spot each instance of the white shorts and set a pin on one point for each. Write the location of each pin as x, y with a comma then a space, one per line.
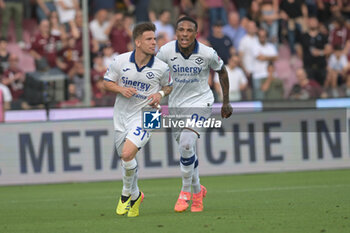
138, 136
199, 114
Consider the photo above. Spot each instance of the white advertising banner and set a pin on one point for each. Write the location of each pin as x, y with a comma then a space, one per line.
71, 151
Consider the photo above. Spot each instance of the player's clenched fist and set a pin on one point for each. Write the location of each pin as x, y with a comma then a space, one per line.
155, 99
128, 91
226, 110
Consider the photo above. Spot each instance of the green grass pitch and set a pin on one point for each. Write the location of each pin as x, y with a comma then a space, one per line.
305, 202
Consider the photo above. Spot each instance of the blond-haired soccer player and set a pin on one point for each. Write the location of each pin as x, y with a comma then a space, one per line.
139, 79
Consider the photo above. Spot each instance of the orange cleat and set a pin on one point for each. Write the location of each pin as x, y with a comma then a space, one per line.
182, 202
197, 200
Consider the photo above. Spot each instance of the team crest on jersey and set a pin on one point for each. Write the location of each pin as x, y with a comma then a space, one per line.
199, 60
149, 75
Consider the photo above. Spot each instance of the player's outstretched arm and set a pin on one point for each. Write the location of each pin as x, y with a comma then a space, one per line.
113, 87
156, 97
226, 110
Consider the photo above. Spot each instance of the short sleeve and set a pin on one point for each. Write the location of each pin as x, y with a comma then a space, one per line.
268, 50
161, 54
256, 50
112, 72
215, 61
274, 52
216, 78
166, 79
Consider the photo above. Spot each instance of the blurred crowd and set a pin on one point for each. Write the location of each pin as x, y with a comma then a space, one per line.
272, 49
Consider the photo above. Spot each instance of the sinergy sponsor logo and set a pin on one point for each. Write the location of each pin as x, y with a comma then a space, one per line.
140, 86
186, 69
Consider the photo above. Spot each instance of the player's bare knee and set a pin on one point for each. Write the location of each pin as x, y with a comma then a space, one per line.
127, 155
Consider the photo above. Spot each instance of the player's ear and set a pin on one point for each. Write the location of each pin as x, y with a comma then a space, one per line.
137, 42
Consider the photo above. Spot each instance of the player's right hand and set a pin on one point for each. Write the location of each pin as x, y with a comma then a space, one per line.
128, 91
226, 110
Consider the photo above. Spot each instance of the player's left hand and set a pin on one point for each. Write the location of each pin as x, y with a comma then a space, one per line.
226, 110
155, 100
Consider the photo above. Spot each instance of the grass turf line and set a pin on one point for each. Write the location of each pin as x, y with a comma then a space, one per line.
295, 202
